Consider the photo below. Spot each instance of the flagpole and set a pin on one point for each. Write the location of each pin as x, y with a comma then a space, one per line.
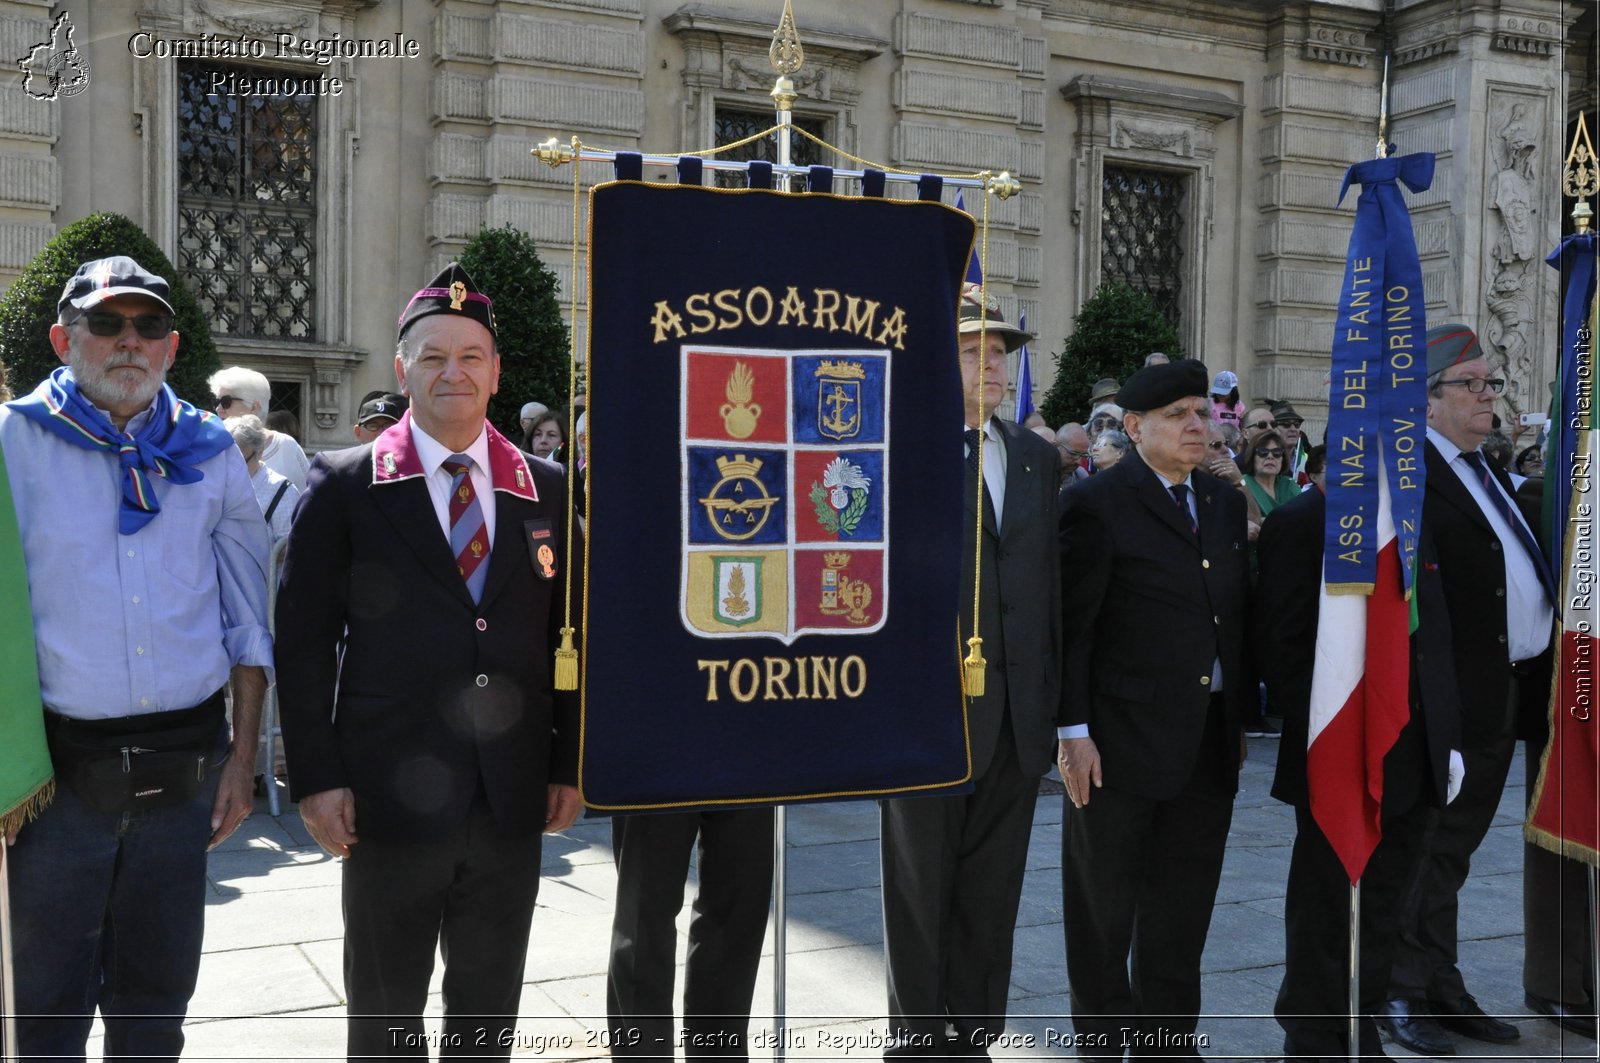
8, 993
1382, 152
786, 56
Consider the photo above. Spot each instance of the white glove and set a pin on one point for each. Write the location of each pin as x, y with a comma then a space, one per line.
1458, 772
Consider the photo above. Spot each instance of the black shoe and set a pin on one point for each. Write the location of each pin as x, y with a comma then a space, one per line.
1463, 1016
1406, 1023
1580, 1023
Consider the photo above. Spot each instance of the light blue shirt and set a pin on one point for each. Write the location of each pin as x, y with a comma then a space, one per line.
148, 622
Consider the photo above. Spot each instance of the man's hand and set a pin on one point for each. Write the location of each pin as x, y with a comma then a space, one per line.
1078, 760
562, 806
1226, 470
330, 816
235, 792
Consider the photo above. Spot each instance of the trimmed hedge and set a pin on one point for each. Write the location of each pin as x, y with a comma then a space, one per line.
533, 339
1113, 333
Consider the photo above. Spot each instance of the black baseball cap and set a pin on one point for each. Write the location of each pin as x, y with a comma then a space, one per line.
381, 404
106, 278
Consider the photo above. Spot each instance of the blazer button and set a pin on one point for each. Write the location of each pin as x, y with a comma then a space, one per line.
1499, 592
1205, 680
482, 680
1502, 640
1204, 563
483, 625
1494, 546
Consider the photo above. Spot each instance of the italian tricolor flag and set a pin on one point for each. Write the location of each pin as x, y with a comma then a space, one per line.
1359, 700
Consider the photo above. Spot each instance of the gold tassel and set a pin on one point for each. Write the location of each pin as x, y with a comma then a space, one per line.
27, 809
973, 667
566, 662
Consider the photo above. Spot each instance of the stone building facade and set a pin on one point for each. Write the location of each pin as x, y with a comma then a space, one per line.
1193, 146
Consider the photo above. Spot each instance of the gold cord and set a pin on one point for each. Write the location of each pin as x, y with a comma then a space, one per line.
973, 666
566, 677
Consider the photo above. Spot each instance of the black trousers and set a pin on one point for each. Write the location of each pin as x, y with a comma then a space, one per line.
472, 897
1425, 963
952, 870
1141, 875
730, 919
1314, 998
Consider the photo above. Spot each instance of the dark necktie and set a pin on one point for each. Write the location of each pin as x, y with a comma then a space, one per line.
1508, 513
469, 536
1180, 495
974, 441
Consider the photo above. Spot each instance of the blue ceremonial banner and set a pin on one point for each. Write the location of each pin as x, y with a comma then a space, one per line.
774, 532
1377, 407
1575, 259
1024, 376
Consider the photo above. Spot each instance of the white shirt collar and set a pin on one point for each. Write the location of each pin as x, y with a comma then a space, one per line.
433, 453
1447, 450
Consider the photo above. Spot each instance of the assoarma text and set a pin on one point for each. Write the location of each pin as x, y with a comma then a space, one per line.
825, 309
320, 50
1351, 461
785, 678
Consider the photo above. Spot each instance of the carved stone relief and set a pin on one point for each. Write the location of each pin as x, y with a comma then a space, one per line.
1512, 203
1151, 138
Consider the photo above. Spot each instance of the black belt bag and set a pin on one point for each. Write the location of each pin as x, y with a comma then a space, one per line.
136, 763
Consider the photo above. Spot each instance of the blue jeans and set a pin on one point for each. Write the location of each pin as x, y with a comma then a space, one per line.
109, 911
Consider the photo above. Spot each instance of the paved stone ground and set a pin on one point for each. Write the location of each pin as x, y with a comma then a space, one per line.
270, 983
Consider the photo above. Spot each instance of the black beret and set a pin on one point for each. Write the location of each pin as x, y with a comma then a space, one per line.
1156, 386
451, 292
1450, 345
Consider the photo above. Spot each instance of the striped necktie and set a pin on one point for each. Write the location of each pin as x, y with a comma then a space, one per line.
469, 536
1509, 514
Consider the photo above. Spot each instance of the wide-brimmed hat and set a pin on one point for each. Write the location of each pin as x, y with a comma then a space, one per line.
974, 316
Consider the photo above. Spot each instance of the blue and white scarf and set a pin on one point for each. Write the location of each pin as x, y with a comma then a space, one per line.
175, 440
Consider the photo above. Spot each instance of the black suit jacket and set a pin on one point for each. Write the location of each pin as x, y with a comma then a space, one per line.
432, 697
1149, 607
1472, 571
1020, 606
1288, 588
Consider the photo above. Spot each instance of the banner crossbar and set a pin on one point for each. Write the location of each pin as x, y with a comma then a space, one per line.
554, 153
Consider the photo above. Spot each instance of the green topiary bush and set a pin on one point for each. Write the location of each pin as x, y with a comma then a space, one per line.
28, 308
1113, 333
534, 351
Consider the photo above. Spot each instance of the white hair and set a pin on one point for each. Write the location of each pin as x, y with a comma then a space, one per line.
248, 432
242, 383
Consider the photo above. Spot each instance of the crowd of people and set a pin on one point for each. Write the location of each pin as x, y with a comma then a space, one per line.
433, 775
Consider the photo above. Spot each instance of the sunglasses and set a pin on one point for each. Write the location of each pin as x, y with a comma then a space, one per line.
1218, 445
1270, 452
1261, 424
110, 323
1290, 422
225, 401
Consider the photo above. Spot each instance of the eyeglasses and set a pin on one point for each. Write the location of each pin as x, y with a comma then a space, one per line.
1218, 445
225, 401
1476, 384
1289, 422
110, 323
1261, 424
1077, 455
1270, 452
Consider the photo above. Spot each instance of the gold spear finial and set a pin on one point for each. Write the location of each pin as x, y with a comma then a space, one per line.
786, 55
1580, 179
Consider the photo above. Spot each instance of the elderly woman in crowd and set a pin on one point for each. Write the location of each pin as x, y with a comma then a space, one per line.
276, 494
1265, 459
242, 391
1110, 446
548, 434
